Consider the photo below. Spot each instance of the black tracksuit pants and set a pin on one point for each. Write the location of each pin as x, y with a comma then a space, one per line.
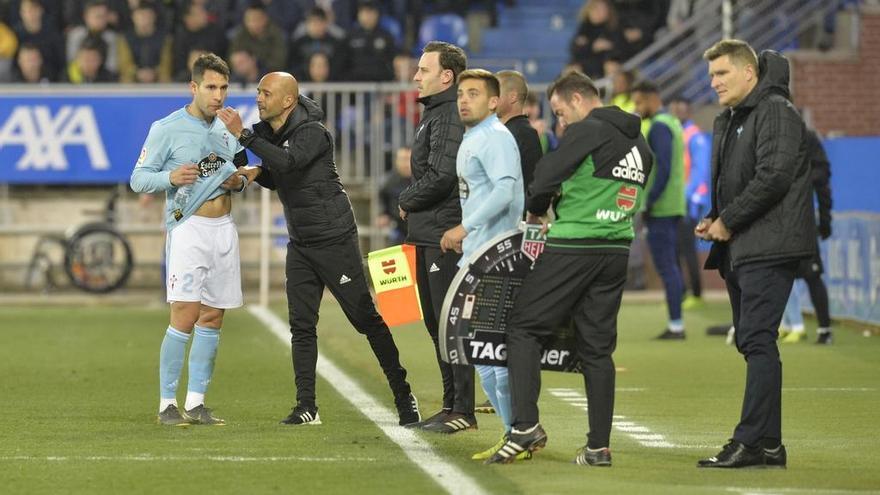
588, 287
434, 273
758, 293
339, 268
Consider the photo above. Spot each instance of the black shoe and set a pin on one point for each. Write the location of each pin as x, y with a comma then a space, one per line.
407, 410
201, 415
485, 408
590, 457
735, 455
302, 415
776, 458
454, 423
531, 440
824, 338
437, 417
171, 417
670, 335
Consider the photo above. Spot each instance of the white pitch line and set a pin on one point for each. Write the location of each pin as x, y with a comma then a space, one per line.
448, 476
828, 389
641, 434
770, 491
180, 458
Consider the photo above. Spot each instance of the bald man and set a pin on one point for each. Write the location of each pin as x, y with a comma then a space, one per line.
323, 250
511, 112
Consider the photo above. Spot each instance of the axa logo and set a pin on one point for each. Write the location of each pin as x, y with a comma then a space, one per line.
630, 167
44, 136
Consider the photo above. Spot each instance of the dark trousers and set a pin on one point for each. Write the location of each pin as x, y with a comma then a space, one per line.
588, 288
434, 273
339, 268
819, 298
758, 293
687, 253
663, 243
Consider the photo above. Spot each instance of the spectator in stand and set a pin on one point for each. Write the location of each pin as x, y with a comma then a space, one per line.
317, 39
640, 19
598, 37
145, 50
33, 29
286, 14
54, 18
370, 48
118, 12
244, 68
262, 37
219, 12
196, 31
697, 174
185, 74
395, 183
96, 18
29, 66
88, 65
8, 46
333, 29
318, 68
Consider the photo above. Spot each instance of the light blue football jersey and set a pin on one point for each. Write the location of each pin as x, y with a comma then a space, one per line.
178, 139
490, 183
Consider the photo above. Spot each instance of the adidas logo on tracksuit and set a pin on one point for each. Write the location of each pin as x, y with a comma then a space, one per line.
344, 279
630, 167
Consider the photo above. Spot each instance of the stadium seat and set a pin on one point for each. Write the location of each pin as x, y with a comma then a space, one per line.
443, 27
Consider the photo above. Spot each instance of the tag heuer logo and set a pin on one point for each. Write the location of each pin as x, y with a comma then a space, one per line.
626, 197
389, 267
533, 242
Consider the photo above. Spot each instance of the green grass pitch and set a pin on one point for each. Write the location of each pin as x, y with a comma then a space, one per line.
78, 397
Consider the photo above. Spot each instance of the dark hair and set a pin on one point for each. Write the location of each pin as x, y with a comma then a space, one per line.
679, 99
645, 87
493, 87
317, 13
207, 62
739, 52
451, 57
95, 3
573, 82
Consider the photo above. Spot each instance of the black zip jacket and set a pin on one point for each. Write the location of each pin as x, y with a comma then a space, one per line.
298, 163
529, 146
431, 200
761, 174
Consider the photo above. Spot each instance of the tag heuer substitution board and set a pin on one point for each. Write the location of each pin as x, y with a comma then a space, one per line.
481, 297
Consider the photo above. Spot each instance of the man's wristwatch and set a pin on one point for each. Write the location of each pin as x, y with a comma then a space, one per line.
246, 137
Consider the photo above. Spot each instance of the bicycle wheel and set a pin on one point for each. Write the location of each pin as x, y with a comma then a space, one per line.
98, 259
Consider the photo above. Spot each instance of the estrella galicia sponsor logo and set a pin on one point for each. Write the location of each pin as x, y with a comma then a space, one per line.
45, 135
210, 164
463, 189
630, 167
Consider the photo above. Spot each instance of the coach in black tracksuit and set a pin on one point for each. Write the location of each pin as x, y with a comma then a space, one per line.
762, 224
323, 251
431, 206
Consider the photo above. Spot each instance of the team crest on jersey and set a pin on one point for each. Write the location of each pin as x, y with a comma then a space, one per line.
627, 197
533, 241
210, 164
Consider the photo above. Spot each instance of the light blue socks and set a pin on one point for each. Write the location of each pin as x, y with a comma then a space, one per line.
201, 364
170, 363
497, 387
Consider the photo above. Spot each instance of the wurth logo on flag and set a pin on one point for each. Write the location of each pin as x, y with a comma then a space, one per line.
630, 167
44, 136
389, 266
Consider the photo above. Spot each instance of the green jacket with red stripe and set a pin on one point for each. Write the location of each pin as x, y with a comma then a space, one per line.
597, 177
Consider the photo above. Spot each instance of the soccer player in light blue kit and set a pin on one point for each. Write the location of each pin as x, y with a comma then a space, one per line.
192, 158
490, 186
